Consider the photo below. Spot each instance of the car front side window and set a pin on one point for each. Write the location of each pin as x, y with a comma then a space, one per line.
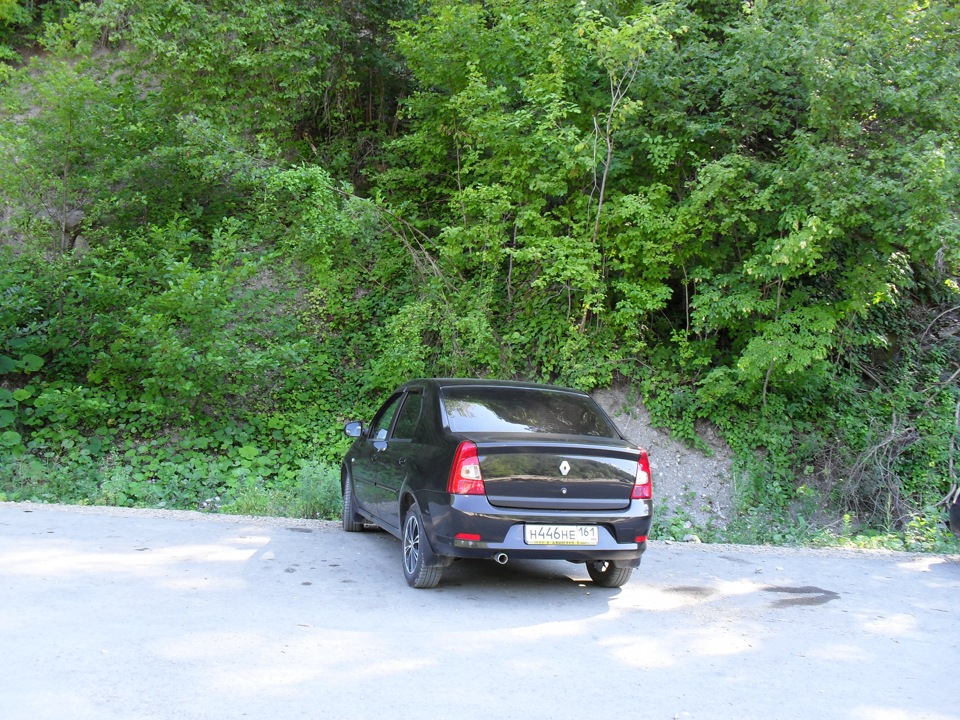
380, 427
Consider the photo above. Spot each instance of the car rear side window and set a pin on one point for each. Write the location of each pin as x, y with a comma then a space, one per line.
408, 417
523, 410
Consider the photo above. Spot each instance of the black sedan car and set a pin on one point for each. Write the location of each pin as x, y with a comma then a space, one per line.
490, 469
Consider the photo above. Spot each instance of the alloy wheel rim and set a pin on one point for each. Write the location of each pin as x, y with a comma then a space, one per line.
411, 545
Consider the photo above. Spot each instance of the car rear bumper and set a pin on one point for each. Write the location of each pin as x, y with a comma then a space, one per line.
453, 526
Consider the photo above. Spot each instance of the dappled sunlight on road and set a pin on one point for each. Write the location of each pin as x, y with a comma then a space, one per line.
255, 664
679, 646
53, 559
250, 664
926, 563
892, 625
646, 597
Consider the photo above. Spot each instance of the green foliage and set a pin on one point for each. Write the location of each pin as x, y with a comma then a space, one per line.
507, 131
153, 370
748, 210
10, 10
759, 525
265, 68
311, 77
902, 430
174, 359
49, 158
22, 23
314, 494
159, 476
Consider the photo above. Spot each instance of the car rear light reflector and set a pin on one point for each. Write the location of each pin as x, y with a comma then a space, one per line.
641, 538
643, 487
465, 476
468, 537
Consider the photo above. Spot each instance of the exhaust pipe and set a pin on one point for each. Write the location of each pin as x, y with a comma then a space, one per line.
501, 558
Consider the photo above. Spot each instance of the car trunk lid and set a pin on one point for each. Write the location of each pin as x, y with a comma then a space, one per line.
560, 473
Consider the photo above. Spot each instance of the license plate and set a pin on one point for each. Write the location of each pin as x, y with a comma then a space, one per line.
560, 534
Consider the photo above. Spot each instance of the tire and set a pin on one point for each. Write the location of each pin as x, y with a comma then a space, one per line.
413, 540
352, 520
605, 574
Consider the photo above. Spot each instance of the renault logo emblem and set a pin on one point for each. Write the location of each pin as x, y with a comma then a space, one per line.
564, 468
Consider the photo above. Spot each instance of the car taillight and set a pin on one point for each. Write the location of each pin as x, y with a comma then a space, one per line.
643, 487
465, 477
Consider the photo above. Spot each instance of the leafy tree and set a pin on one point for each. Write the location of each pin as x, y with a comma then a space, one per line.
49, 157
302, 75
517, 138
833, 169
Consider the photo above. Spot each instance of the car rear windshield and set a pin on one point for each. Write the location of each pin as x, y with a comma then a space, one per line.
523, 410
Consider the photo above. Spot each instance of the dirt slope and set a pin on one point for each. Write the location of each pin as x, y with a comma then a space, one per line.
694, 487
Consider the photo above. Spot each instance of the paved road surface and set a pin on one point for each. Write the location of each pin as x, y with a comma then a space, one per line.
127, 614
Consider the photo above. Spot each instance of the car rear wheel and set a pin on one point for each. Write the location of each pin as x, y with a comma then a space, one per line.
415, 570
352, 520
605, 574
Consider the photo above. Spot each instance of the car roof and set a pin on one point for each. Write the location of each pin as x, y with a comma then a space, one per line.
481, 382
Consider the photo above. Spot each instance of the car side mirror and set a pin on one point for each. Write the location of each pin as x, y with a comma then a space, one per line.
353, 429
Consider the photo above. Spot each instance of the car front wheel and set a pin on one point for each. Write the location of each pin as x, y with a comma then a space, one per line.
605, 574
415, 570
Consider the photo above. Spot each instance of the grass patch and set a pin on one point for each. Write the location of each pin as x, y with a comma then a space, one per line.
316, 495
312, 491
